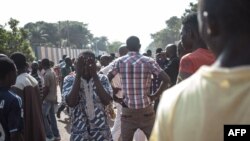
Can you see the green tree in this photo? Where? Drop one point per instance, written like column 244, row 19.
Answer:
column 37, row 36
column 170, row 34
column 100, row 43
column 51, row 30
column 62, row 34
column 76, row 33
column 114, row 46
column 15, row 40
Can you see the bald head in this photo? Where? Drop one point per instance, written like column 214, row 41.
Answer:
column 123, row 50
column 171, row 50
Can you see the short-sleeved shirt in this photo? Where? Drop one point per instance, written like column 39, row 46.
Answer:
column 50, row 81
column 10, row 114
column 88, row 118
column 191, row 62
column 135, row 71
column 198, row 108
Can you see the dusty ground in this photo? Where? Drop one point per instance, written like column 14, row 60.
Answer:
column 63, row 122
column 64, row 127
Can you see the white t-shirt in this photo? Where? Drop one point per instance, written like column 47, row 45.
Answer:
column 23, row 80
column 198, row 108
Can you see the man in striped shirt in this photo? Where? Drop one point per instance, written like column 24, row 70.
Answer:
column 135, row 71
column 34, row 73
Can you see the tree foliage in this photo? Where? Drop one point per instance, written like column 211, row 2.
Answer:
column 192, row 8
column 100, row 43
column 171, row 33
column 62, row 34
column 76, row 33
column 114, row 46
column 15, row 40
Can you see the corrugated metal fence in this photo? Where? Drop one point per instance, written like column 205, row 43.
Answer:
column 55, row 54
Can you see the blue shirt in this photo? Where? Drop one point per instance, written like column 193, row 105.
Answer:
column 10, row 113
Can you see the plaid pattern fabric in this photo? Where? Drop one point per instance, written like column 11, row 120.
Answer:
column 135, row 71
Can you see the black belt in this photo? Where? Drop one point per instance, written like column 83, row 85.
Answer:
column 120, row 101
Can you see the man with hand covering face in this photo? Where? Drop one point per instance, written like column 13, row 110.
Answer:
column 87, row 93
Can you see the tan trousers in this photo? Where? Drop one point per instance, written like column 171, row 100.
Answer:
column 133, row 119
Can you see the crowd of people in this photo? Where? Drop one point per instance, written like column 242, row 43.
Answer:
column 195, row 87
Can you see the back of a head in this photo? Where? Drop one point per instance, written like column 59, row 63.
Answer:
column 90, row 53
column 64, row 56
column 133, row 43
column 149, row 52
column 68, row 61
column 19, row 60
column 172, row 49
column 191, row 21
column 158, row 50
column 123, row 50
column 6, row 66
column 46, row 63
column 34, row 65
column 233, row 16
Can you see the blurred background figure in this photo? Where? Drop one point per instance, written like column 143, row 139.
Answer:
column 149, row 53
column 50, row 100
column 172, row 67
column 34, row 73
column 105, row 60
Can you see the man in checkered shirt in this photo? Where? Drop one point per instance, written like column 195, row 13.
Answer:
column 135, row 72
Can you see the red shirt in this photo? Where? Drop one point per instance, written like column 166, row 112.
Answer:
column 191, row 62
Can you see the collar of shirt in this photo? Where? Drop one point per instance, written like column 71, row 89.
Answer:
column 132, row 53
column 47, row 70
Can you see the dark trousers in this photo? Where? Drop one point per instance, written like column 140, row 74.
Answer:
column 133, row 119
column 157, row 101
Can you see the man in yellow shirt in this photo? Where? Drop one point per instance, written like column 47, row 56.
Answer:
column 198, row 108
